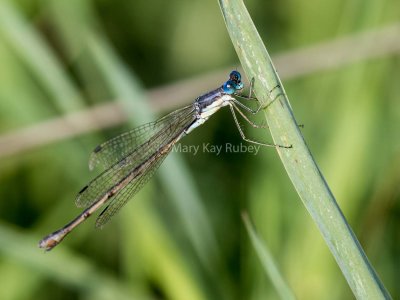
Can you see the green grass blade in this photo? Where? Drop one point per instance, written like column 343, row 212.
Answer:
column 39, row 58
column 298, row 161
column 267, row 261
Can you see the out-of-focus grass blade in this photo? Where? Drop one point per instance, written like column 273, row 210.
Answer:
column 20, row 103
column 162, row 258
column 37, row 55
column 181, row 190
column 40, row 59
column 63, row 266
column 298, row 161
column 267, row 261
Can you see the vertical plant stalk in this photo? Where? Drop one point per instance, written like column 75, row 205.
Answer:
column 298, row 161
column 266, row 259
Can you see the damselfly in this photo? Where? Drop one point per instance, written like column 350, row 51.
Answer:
column 132, row 158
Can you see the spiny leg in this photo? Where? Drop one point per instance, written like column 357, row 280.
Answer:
column 273, row 98
column 250, row 110
column 251, row 141
column 236, row 103
column 247, row 119
column 250, row 97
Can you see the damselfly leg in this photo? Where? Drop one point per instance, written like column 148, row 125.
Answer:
column 236, row 105
column 131, row 159
column 232, row 108
column 250, row 97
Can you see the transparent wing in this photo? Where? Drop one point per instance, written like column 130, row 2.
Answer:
column 112, row 151
column 131, row 189
column 173, row 124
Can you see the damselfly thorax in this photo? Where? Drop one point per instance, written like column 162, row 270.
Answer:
column 132, row 158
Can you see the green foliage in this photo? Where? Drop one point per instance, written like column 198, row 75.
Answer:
column 298, row 161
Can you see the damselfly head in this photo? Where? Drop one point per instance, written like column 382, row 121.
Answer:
column 235, row 76
column 231, row 87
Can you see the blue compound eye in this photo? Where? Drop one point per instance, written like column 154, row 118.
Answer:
column 229, row 87
column 235, row 76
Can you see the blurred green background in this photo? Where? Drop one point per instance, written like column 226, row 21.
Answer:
column 183, row 237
